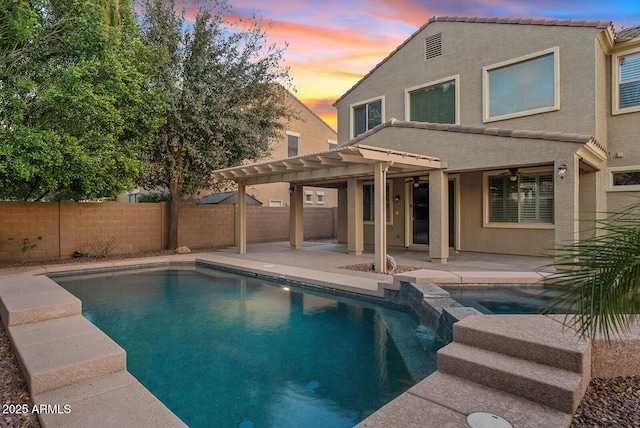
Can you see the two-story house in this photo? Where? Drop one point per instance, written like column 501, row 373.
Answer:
column 482, row 134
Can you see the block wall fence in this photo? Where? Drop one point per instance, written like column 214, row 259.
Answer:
column 69, row 226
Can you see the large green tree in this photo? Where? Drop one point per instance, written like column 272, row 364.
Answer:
column 223, row 82
column 75, row 106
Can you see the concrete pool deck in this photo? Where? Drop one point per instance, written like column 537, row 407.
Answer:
column 68, row 361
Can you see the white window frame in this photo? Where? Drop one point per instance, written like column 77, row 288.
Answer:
column 320, row 198
column 361, row 103
column 274, row 203
column 308, row 197
column 407, row 92
column 622, row 188
column 505, row 225
column 332, row 144
column 555, row 51
column 615, row 89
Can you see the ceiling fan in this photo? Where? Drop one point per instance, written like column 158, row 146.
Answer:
column 513, row 174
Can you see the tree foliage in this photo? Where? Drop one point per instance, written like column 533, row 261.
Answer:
column 599, row 277
column 223, row 85
column 75, row 106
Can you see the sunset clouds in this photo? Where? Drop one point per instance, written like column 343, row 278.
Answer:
column 333, row 43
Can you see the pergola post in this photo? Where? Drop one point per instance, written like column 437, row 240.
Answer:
column 380, row 216
column 355, row 230
column 242, row 218
column 438, row 216
column 296, row 219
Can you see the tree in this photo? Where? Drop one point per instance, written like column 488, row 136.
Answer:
column 599, row 277
column 75, row 107
column 224, row 102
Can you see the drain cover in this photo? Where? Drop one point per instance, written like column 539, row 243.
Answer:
column 246, row 423
column 487, row 420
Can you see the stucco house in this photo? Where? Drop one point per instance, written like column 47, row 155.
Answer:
column 490, row 135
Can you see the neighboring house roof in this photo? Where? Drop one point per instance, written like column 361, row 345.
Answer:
column 628, row 34
column 311, row 111
column 221, row 197
column 516, row 21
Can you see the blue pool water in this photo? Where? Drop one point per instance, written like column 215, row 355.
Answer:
column 506, row 300
column 229, row 351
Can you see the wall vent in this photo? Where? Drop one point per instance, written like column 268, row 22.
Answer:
column 433, row 46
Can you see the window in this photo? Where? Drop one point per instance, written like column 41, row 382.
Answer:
column 292, row 143
column 368, row 208
column 626, row 78
column 528, row 85
column 523, row 198
column 275, row 203
column 624, row 178
column 366, row 116
column 333, row 144
column 435, row 103
column 320, row 198
column 308, row 197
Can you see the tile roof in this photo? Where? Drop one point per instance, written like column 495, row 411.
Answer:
column 628, row 34
column 514, row 21
column 496, row 132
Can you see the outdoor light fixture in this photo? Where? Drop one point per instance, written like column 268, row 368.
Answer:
column 514, row 174
column 290, row 189
column 397, row 198
column 562, row 170
column 416, row 181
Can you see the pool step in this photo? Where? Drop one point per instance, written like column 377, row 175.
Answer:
column 553, row 387
column 544, row 340
column 27, row 300
column 532, row 356
column 64, row 351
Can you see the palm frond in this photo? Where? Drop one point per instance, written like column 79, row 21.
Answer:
column 600, row 276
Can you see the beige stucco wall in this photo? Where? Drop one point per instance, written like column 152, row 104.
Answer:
column 466, row 49
column 314, row 136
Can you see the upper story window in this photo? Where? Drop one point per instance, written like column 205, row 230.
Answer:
column 435, row 102
column 366, row 115
column 292, row 143
column 519, row 198
column 332, row 144
column 626, row 78
column 521, row 87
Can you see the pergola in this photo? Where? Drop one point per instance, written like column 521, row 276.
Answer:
column 351, row 164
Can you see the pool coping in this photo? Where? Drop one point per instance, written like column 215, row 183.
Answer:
column 116, row 398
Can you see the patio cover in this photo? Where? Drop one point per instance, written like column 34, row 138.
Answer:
column 347, row 163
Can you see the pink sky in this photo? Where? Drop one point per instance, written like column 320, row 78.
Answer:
column 333, row 43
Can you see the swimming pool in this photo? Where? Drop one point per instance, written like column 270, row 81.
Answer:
column 224, row 350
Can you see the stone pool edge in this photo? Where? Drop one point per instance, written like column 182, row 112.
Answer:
column 115, row 398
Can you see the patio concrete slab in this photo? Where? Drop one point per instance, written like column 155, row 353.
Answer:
column 411, row 411
column 428, row 276
column 116, row 400
column 467, row 397
column 62, row 351
column 498, row 277
column 329, row 280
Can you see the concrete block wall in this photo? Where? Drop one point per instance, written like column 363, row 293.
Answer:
column 68, row 226
column 206, row 225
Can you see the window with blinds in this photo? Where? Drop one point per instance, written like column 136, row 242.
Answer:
column 435, row 104
column 629, row 80
column 522, row 86
column 528, row 199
